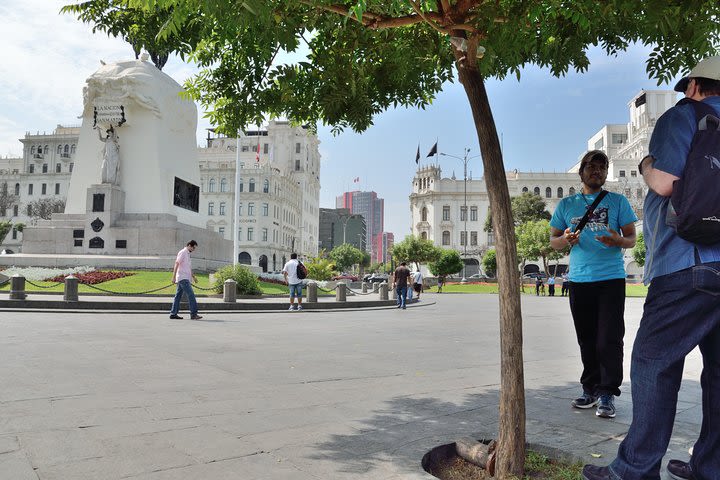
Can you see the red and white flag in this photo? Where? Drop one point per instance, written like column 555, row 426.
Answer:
column 257, row 154
column 356, row 180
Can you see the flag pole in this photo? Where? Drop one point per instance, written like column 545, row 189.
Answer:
column 236, row 203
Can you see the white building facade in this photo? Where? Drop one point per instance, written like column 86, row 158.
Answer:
column 444, row 214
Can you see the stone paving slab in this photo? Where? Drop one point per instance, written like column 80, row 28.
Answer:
column 354, row 394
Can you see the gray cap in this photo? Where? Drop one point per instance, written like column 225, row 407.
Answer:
column 707, row 68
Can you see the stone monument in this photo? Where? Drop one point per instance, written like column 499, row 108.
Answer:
column 134, row 191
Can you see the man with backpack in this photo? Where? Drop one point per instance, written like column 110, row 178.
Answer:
column 294, row 272
column 682, row 309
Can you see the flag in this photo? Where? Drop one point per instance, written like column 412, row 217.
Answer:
column 356, row 180
column 257, row 154
column 417, row 156
column 433, row 150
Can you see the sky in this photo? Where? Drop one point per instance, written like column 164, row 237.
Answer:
column 544, row 122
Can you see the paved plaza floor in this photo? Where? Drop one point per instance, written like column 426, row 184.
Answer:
column 352, row 394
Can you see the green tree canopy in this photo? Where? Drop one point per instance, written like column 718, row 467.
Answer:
column 638, row 251
column 526, row 207
column 449, row 263
column 7, row 199
column 364, row 57
column 5, row 227
column 415, row 250
column 534, row 242
column 345, row 256
column 489, row 262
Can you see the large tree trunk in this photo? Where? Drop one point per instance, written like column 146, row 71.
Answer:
column 511, row 438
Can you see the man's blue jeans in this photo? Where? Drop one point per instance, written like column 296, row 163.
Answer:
column 401, row 294
column 183, row 286
column 682, row 311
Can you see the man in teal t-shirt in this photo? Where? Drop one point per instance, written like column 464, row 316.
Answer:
column 597, row 280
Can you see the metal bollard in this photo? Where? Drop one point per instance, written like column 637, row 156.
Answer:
column 311, row 292
column 17, row 287
column 71, row 289
column 341, row 294
column 384, row 291
column 230, row 291
column 376, row 288
column 364, row 287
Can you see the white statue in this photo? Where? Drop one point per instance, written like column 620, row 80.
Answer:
column 111, row 157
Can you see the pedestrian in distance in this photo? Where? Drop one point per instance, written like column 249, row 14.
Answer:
column 589, row 222
column 417, row 283
column 539, row 286
column 290, row 272
column 441, row 282
column 551, row 286
column 682, row 307
column 565, row 284
column 400, row 283
column 182, row 275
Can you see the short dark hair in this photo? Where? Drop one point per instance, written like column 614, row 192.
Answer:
column 707, row 86
column 192, row 243
column 597, row 155
column 403, row 263
column 293, row 255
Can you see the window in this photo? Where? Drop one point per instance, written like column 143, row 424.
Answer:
column 446, row 213
column 245, row 148
column 423, row 235
column 45, row 168
column 536, row 191
column 423, row 215
column 571, row 191
column 211, row 185
column 17, row 189
column 463, row 213
column 560, row 192
column 44, row 189
column 628, row 192
column 14, row 234
column 633, row 173
column 32, row 150
column 525, row 190
column 473, row 214
column 72, row 148
column 222, row 208
column 58, row 167
column 446, row 238
column 59, row 149
column 239, row 233
column 463, row 235
column 548, row 192
column 15, row 210
column 297, row 165
column 297, row 148
column 242, row 185
column 266, row 186
column 71, row 167
column 622, row 173
column 264, row 234
column 265, row 209
column 599, row 144
column 240, row 209
column 221, row 231
column 251, row 186
column 66, row 150
column 30, row 189
column 473, row 238
column 57, row 189
column 31, row 168
column 211, row 208
column 251, row 210
column 491, row 239
column 266, row 147
column 619, row 138
column 223, row 185
column 250, row 234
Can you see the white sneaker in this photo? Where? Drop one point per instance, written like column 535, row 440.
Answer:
column 292, row 307
column 299, row 307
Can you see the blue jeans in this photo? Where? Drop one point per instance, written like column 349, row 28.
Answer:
column 401, row 294
column 183, row 286
column 296, row 291
column 682, row 311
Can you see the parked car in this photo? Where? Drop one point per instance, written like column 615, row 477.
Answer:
column 378, row 278
column 478, row 277
column 346, row 276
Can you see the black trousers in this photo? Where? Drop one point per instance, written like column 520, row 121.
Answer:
column 598, row 310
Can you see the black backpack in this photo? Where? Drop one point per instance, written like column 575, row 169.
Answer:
column 301, row 271
column 694, row 208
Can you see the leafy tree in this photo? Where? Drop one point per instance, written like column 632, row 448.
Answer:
column 345, row 256
column 365, row 57
column 415, row 250
column 5, row 227
column 638, row 251
column 525, row 208
column 489, row 262
column 246, row 281
column 45, row 207
column 449, row 263
column 137, row 26
column 534, row 241
column 7, row 199
column 320, row 268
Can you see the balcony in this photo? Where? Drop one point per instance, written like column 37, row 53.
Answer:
column 38, row 156
column 64, row 155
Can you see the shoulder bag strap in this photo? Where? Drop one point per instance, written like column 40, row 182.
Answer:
column 586, row 217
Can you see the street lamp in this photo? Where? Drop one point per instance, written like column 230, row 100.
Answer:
column 465, row 158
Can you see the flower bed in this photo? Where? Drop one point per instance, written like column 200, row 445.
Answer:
column 92, row 278
column 37, row 274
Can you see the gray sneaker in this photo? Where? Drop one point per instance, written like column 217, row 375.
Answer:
column 606, row 407
column 585, row 401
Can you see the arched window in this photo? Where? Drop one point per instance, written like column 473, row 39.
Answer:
column 525, row 189
column 251, row 185
column 571, row 191
column 223, row 185
column 536, row 191
column 423, row 235
column 211, row 185
column 424, row 215
column 72, row 148
column 32, row 150
column 446, row 238
column 59, row 150
column 266, row 186
column 17, row 189
column 560, row 192
column 548, row 192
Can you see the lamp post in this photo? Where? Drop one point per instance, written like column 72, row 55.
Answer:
column 465, row 159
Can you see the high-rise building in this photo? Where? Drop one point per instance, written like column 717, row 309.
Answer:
column 384, row 242
column 371, row 208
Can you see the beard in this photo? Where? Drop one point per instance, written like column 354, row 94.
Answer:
column 593, row 181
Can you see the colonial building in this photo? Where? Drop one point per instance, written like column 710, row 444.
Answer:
column 442, row 211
